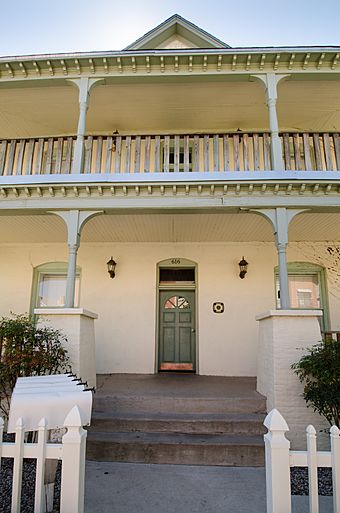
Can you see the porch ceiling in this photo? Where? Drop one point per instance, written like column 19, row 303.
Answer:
column 199, row 227
column 167, row 104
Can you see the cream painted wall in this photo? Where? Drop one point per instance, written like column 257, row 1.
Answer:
column 125, row 329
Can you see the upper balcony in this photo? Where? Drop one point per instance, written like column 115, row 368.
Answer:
column 219, row 116
column 148, row 154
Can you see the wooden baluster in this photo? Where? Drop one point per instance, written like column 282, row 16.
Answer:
column 236, row 145
column 11, row 155
column 59, row 156
column 127, row 153
column 68, row 156
column 147, row 154
column 118, row 154
column 109, row 149
column 245, row 152
column 266, row 151
column 216, row 153
column 186, row 153
column 157, row 154
column 176, row 153
column 317, row 150
column 196, row 163
column 49, row 156
column 136, row 166
column 88, row 154
column 40, row 156
column 328, row 152
column 99, row 154
column 206, row 152
column 29, row 157
column 286, row 151
column 256, row 150
column 166, row 153
column 306, row 151
column 3, row 151
column 296, row 140
column 226, row 153
column 336, row 140
column 20, row 157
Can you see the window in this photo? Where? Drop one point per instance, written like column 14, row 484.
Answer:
column 181, row 157
column 49, row 286
column 307, row 288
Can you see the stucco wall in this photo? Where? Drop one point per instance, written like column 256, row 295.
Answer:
column 126, row 305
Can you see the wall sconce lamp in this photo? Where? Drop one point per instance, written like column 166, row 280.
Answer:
column 111, row 267
column 243, row 264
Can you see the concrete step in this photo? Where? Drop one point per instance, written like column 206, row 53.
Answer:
column 213, row 423
column 252, row 403
column 176, row 448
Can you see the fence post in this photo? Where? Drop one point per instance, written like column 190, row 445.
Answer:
column 335, row 450
column 277, row 464
column 73, row 466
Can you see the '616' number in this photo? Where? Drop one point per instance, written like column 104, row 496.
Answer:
column 175, row 261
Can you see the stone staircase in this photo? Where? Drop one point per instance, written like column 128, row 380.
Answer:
column 177, row 419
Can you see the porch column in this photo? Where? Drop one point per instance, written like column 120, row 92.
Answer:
column 84, row 85
column 75, row 220
column 280, row 219
column 270, row 81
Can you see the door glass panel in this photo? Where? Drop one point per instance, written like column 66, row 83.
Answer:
column 171, row 302
column 177, row 302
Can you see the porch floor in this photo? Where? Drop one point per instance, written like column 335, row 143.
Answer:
column 177, row 385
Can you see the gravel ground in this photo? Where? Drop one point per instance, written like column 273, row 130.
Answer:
column 28, row 483
column 299, row 481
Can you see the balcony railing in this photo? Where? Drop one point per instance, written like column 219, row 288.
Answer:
column 170, row 153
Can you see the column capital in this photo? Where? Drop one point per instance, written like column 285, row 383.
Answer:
column 75, row 221
column 85, row 85
column 280, row 219
column 270, row 82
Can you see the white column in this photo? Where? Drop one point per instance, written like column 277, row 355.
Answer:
column 281, row 241
column 280, row 219
column 84, row 85
column 270, row 81
column 71, row 274
column 75, row 220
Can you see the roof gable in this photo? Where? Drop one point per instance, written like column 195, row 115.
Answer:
column 176, row 33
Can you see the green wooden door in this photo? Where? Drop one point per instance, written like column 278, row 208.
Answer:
column 177, row 330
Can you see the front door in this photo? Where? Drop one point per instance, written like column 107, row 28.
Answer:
column 177, row 330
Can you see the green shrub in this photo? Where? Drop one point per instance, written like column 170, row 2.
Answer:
column 27, row 350
column 319, row 370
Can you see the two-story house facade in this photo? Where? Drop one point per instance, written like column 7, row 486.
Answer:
column 178, row 157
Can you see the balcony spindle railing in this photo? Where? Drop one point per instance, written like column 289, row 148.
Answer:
column 170, row 153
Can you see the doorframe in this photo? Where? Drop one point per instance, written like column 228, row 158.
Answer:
column 177, row 263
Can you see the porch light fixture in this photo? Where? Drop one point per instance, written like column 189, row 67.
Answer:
column 111, row 267
column 243, row 264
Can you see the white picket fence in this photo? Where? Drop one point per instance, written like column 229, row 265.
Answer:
column 71, row 451
column 279, row 459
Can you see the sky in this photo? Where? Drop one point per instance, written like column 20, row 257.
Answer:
column 53, row 26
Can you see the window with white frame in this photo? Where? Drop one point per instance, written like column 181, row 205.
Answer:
column 49, row 286
column 307, row 288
